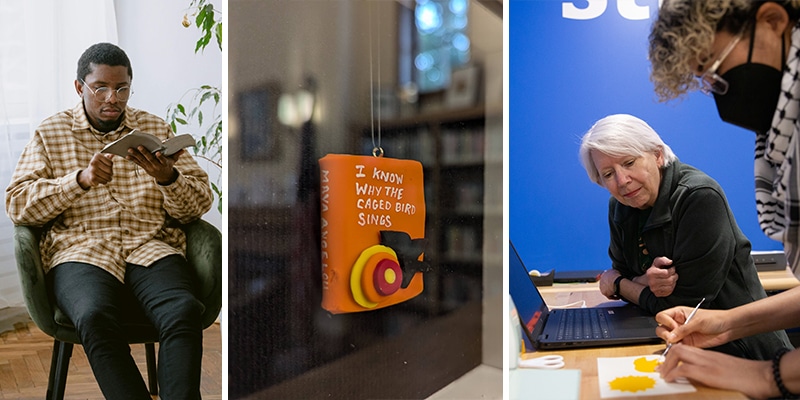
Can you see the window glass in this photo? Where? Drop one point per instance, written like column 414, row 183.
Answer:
column 442, row 41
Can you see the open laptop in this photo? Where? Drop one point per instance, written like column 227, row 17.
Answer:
column 628, row 324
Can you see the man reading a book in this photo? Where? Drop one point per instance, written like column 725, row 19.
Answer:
column 114, row 234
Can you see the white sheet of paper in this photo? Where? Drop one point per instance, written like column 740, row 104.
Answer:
column 634, row 376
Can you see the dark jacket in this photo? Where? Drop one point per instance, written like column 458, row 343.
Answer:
column 692, row 224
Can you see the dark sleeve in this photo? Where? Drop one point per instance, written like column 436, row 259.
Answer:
column 704, row 249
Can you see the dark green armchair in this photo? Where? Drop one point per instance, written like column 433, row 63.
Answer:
column 204, row 253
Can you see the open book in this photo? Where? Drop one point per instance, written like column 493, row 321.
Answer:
column 152, row 143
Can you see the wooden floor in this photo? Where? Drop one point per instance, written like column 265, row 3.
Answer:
column 25, row 364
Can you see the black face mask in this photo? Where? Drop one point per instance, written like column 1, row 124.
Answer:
column 752, row 96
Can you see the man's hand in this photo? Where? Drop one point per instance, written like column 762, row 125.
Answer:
column 99, row 172
column 156, row 165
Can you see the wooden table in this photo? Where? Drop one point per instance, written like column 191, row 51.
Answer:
column 586, row 359
column 778, row 280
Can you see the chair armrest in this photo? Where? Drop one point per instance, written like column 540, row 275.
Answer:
column 204, row 253
column 31, row 275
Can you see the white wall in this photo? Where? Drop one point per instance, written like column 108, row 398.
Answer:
column 164, row 63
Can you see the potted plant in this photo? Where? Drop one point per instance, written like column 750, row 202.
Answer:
column 189, row 108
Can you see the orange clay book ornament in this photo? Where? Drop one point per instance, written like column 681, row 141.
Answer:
column 373, row 231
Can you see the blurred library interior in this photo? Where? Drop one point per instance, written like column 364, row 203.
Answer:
column 424, row 79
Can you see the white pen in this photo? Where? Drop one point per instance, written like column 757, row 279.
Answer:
column 669, row 346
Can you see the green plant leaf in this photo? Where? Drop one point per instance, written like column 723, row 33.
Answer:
column 218, row 34
column 187, row 110
column 206, row 95
column 208, row 23
column 201, row 16
column 218, row 191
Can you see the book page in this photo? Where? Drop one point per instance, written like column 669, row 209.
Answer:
column 150, row 142
column 134, row 139
column 174, row 144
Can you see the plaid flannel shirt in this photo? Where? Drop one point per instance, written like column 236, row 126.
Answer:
column 132, row 219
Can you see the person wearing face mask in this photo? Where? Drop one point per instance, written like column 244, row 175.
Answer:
column 674, row 239
column 746, row 54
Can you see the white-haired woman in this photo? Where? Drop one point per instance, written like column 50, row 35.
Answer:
column 674, row 239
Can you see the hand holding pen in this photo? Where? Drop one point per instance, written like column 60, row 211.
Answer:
column 708, row 328
column 689, row 318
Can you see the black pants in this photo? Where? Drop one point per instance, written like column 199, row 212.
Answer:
column 96, row 302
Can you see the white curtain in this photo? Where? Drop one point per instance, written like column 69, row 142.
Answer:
column 40, row 43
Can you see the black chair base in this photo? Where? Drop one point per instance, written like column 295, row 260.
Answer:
column 59, row 366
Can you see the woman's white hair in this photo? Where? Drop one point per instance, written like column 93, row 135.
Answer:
column 621, row 135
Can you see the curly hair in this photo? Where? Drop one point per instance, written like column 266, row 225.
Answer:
column 683, row 33
column 102, row 54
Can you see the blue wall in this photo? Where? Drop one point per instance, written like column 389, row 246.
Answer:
column 565, row 74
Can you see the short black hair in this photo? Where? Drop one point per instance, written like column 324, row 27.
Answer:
column 103, row 54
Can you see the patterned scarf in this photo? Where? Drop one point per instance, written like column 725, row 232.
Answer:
column 776, row 179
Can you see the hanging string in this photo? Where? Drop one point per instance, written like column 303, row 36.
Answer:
column 377, row 150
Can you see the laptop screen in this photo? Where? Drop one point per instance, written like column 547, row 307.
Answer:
column 530, row 304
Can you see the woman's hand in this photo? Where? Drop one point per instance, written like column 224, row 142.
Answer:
column 718, row 370
column 706, row 329
column 606, row 283
column 661, row 277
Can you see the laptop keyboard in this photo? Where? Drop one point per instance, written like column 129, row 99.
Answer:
column 583, row 323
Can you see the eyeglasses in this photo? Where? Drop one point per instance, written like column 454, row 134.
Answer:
column 104, row 93
column 710, row 82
